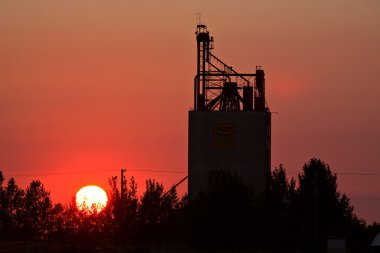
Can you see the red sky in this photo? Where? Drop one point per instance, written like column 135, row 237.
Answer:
column 88, row 87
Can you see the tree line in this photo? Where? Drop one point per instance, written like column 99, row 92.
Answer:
column 292, row 215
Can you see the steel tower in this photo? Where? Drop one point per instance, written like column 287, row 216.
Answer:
column 217, row 86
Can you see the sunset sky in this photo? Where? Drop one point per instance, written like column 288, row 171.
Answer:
column 88, row 87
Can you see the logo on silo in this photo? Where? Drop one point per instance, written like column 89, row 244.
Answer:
column 224, row 129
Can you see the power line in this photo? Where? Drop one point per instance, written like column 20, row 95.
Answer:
column 161, row 171
column 59, row 173
column 371, row 199
column 358, row 174
column 179, row 172
column 342, row 173
column 94, row 171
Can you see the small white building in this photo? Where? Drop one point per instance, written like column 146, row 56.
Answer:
column 375, row 245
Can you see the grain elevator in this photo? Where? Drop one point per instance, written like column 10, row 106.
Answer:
column 230, row 124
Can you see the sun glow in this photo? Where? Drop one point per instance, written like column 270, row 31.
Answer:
column 91, row 198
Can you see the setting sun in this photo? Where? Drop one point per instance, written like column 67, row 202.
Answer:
column 90, row 198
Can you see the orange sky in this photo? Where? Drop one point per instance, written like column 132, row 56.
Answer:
column 97, row 85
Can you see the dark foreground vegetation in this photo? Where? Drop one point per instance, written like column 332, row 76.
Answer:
column 291, row 216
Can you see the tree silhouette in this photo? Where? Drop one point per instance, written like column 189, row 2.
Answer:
column 123, row 210
column 1, row 182
column 114, row 205
column 2, row 207
column 222, row 216
column 150, row 209
column 11, row 202
column 321, row 209
column 57, row 221
column 37, row 211
column 281, row 196
column 228, row 216
column 282, row 191
column 154, row 211
column 131, row 204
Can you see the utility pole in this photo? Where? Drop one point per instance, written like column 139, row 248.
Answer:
column 122, row 183
column 122, row 194
column 122, row 199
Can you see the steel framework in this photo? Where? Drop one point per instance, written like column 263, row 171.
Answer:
column 218, row 87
